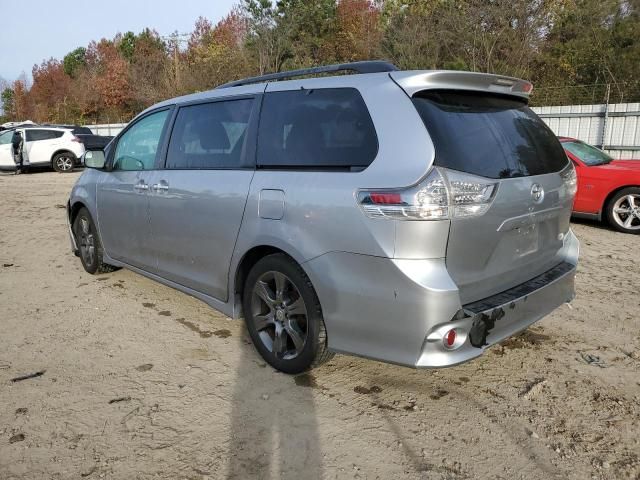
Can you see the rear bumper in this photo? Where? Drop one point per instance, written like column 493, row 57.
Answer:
column 498, row 317
column 399, row 311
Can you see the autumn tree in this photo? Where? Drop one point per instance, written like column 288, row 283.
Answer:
column 149, row 70
column 22, row 102
column 216, row 54
column 358, row 30
column 51, row 93
column 551, row 42
column 111, row 78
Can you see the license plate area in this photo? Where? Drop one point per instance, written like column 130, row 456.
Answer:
column 527, row 240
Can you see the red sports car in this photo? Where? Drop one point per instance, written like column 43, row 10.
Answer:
column 607, row 188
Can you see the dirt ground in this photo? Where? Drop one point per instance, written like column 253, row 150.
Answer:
column 141, row 381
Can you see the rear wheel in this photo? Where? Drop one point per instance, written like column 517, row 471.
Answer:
column 283, row 315
column 89, row 244
column 63, row 162
column 623, row 210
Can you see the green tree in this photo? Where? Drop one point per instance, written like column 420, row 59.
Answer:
column 127, row 45
column 266, row 42
column 74, row 60
column 309, row 29
column 7, row 98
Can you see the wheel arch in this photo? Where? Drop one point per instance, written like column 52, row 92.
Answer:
column 248, row 260
column 244, row 266
column 74, row 208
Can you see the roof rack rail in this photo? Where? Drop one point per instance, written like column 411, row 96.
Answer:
column 358, row 67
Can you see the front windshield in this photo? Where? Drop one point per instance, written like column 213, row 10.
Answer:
column 588, row 154
column 6, row 137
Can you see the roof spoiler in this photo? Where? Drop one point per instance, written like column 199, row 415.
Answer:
column 414, row 81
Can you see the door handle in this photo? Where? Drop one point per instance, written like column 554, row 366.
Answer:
column 141, row 186
column 162, row 186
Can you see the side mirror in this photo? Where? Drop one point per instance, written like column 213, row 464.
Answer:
column 93, row 159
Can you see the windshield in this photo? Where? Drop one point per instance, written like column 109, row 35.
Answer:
column 587, row 153
column 5, row 137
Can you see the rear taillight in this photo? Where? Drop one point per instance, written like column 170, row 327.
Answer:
column 570, row 179
column 75, row 139
column 442, row 194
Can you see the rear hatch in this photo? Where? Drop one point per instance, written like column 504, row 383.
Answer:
column 497, row 139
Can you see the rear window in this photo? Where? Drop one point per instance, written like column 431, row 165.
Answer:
column 488, row 135
column 319, row 128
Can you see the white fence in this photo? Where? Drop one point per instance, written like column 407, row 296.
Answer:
column 614, row 127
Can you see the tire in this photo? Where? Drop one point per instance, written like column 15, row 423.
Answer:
column 89, row 244
column 623, row 210
column 63, row 162
column 283, row 315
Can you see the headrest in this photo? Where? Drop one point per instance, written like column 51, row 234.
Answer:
column 211, row 133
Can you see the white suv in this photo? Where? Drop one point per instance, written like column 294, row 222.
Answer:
column 56, row 147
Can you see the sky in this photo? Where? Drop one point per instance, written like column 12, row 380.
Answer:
column 35, row 30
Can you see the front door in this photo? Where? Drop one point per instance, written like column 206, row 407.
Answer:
column 123, row 192
column 198, row 200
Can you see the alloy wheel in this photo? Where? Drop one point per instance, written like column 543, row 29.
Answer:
column 626, row 211
column 279, row 315
column 64, row 163
column 86, row 241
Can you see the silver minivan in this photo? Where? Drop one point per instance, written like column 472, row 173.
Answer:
column 412, row 217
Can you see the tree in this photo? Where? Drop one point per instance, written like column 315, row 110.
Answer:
column 8, row 106
column 127, row 45
column 358, row 30
column 551, row 42
column 150, row 70
column 74, row 60
column 22, row 102
column 309, row 29
column 50, row 92
column 266, row 40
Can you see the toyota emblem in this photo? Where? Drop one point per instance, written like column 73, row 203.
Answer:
column 537, row 192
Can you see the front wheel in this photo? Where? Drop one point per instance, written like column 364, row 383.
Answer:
column 283, row 315
column 63, row 162
column 89, row 244
column 623, row 210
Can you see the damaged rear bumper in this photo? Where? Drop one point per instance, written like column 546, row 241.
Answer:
column 399, row 310
column 491, row 320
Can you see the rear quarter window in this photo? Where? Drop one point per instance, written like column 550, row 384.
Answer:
column 315, row 129
column 489, row 135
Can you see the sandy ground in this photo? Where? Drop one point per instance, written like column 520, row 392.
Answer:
column 141, row 381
